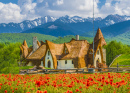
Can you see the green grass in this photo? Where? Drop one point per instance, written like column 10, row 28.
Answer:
column 124, row 59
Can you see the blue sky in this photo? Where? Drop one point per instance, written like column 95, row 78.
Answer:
column 19, row 10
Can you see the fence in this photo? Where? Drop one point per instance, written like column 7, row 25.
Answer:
column 86, row 70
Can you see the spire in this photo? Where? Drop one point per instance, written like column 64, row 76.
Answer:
column 39, row 44
column 98, row 36
column 25, row 43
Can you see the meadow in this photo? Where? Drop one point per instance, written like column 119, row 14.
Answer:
column 66, row 83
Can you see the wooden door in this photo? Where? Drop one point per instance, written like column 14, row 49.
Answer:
column 49, row 64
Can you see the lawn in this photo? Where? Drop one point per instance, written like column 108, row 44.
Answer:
column 66, row 83
column 124, row 59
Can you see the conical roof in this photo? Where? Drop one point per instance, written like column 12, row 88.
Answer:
column 25, row 43
column 39, row 44
column 98, row 36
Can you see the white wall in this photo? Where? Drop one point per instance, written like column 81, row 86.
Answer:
column 96, row 58
column 30, row 64
column 62, row 65
column 42, row 63
column 50, row 58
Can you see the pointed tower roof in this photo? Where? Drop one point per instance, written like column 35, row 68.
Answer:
column 25, row 43
column 39, row 44
column 98, row 36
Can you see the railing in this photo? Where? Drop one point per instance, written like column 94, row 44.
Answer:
column 85, row 70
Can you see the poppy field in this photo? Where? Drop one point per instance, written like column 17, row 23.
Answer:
column 66, row 83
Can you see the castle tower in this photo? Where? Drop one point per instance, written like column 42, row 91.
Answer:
column 98, row 36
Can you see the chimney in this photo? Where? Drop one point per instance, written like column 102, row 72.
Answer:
column 77, row 37
column 35, row 45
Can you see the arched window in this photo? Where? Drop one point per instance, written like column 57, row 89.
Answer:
column 65, row 61
column 66, row 50
column 48, row 53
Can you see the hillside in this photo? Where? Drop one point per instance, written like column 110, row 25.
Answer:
column 19, row 37
column 124, row 59
column 124, row 38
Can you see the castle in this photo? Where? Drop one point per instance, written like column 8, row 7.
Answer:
column 74, row 54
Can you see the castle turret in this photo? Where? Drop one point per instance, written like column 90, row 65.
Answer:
column 98, row 36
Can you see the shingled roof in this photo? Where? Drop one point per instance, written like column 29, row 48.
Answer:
column 38, row 54
column 56, row 50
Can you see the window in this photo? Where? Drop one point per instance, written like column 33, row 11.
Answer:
column 98, row 52
column 57, row 63
column 65, row 61
column 72, row 62
column 66, row 51
column 48, row 53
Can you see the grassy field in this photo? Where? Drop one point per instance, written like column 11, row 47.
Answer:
column 124, row 59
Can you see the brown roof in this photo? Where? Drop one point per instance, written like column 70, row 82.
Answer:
column 38, row 54
column 56, row 50
column 77, row 52
column 39, row 44
column 98, row 36
column 25, row 43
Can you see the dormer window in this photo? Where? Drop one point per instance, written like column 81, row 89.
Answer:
column 66, row 51
column 48, row 53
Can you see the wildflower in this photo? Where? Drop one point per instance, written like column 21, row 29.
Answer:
column 77, row 90
column 5, row 91
column 45, row 91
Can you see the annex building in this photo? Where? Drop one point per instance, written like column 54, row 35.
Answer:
column 74, row 54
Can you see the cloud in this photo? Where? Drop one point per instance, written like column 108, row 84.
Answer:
column 120, row 7
column 10, row 13
column 59, row 8
column 31, row 9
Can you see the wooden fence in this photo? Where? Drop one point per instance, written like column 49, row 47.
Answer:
column 85, row 70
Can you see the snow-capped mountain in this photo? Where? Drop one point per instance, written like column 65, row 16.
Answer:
column 109, row 20
column 25, row 25
column 76, row 19
column 73, row 22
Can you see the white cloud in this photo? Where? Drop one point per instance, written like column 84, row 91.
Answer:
column 28, row 9
column 59, row 8
column 10, row 13
column 121, row 7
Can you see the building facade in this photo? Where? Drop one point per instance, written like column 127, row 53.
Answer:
column 74, row 54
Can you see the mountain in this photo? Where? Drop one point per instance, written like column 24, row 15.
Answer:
column 25, row 25
column 116, row 29
column 77, row 23
column 52, row 28
column 112, row 30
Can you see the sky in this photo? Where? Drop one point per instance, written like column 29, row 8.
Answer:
column 19, row 10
